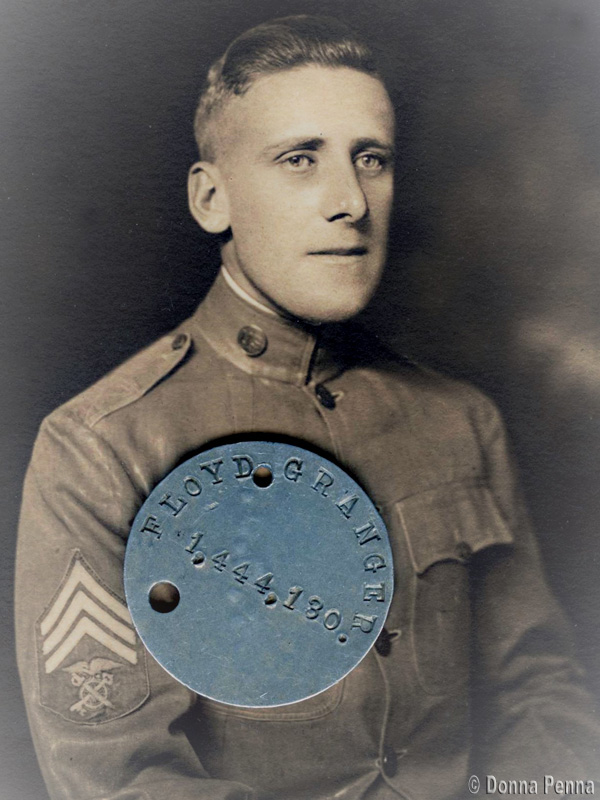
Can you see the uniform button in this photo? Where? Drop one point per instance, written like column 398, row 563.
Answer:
column 389, row 762
column 464, row 551
column 179, row 341
column 325, row 397
column 252, row 340
column 383, row 645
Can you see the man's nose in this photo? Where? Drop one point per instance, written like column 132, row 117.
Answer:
column 343, row 196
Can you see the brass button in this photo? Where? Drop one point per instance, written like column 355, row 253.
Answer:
column 252, row 340
column 463, row 551
column 324, row 396
column 179, row 341
column 389, row 762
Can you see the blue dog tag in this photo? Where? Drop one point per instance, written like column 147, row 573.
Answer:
column 258, row 573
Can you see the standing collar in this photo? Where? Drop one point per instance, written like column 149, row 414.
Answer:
column 237, row 289
column 260, row 342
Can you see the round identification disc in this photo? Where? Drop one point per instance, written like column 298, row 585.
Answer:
column 258, row 573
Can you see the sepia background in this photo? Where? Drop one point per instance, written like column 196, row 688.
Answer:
column 493, row 272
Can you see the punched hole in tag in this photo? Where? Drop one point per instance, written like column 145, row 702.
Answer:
column 164, row 597
column 262, row 476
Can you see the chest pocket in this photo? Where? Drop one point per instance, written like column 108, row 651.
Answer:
column 444, row 528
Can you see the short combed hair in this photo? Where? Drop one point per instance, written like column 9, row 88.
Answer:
column 274, row 46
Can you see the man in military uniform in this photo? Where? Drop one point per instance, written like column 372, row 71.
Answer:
column 474, row 670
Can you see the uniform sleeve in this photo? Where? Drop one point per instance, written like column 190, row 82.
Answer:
column 103, row 714
column 535, row 717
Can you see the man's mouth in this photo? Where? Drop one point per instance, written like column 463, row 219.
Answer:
column 340, row 251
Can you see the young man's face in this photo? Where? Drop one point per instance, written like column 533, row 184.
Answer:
column 306, row 162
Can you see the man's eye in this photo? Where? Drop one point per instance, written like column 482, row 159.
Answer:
column 298, row 162
column 370, row 162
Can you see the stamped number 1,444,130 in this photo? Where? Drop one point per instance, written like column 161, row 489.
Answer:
column 331, row 619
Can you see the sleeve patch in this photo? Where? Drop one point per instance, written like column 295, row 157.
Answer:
column 91, row 664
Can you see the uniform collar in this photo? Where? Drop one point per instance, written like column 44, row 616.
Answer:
column 260, row 342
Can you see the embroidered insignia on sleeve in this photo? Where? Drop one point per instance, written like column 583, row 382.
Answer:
column 92, row 666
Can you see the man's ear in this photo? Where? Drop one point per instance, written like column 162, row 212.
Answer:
column 207, row 197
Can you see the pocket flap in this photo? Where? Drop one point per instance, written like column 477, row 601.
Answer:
column 451, row 522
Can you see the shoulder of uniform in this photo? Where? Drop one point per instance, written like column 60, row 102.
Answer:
column 466, row 394
column 450, row 396
column 372, row 351
column 132, row 379
column 365, row 348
